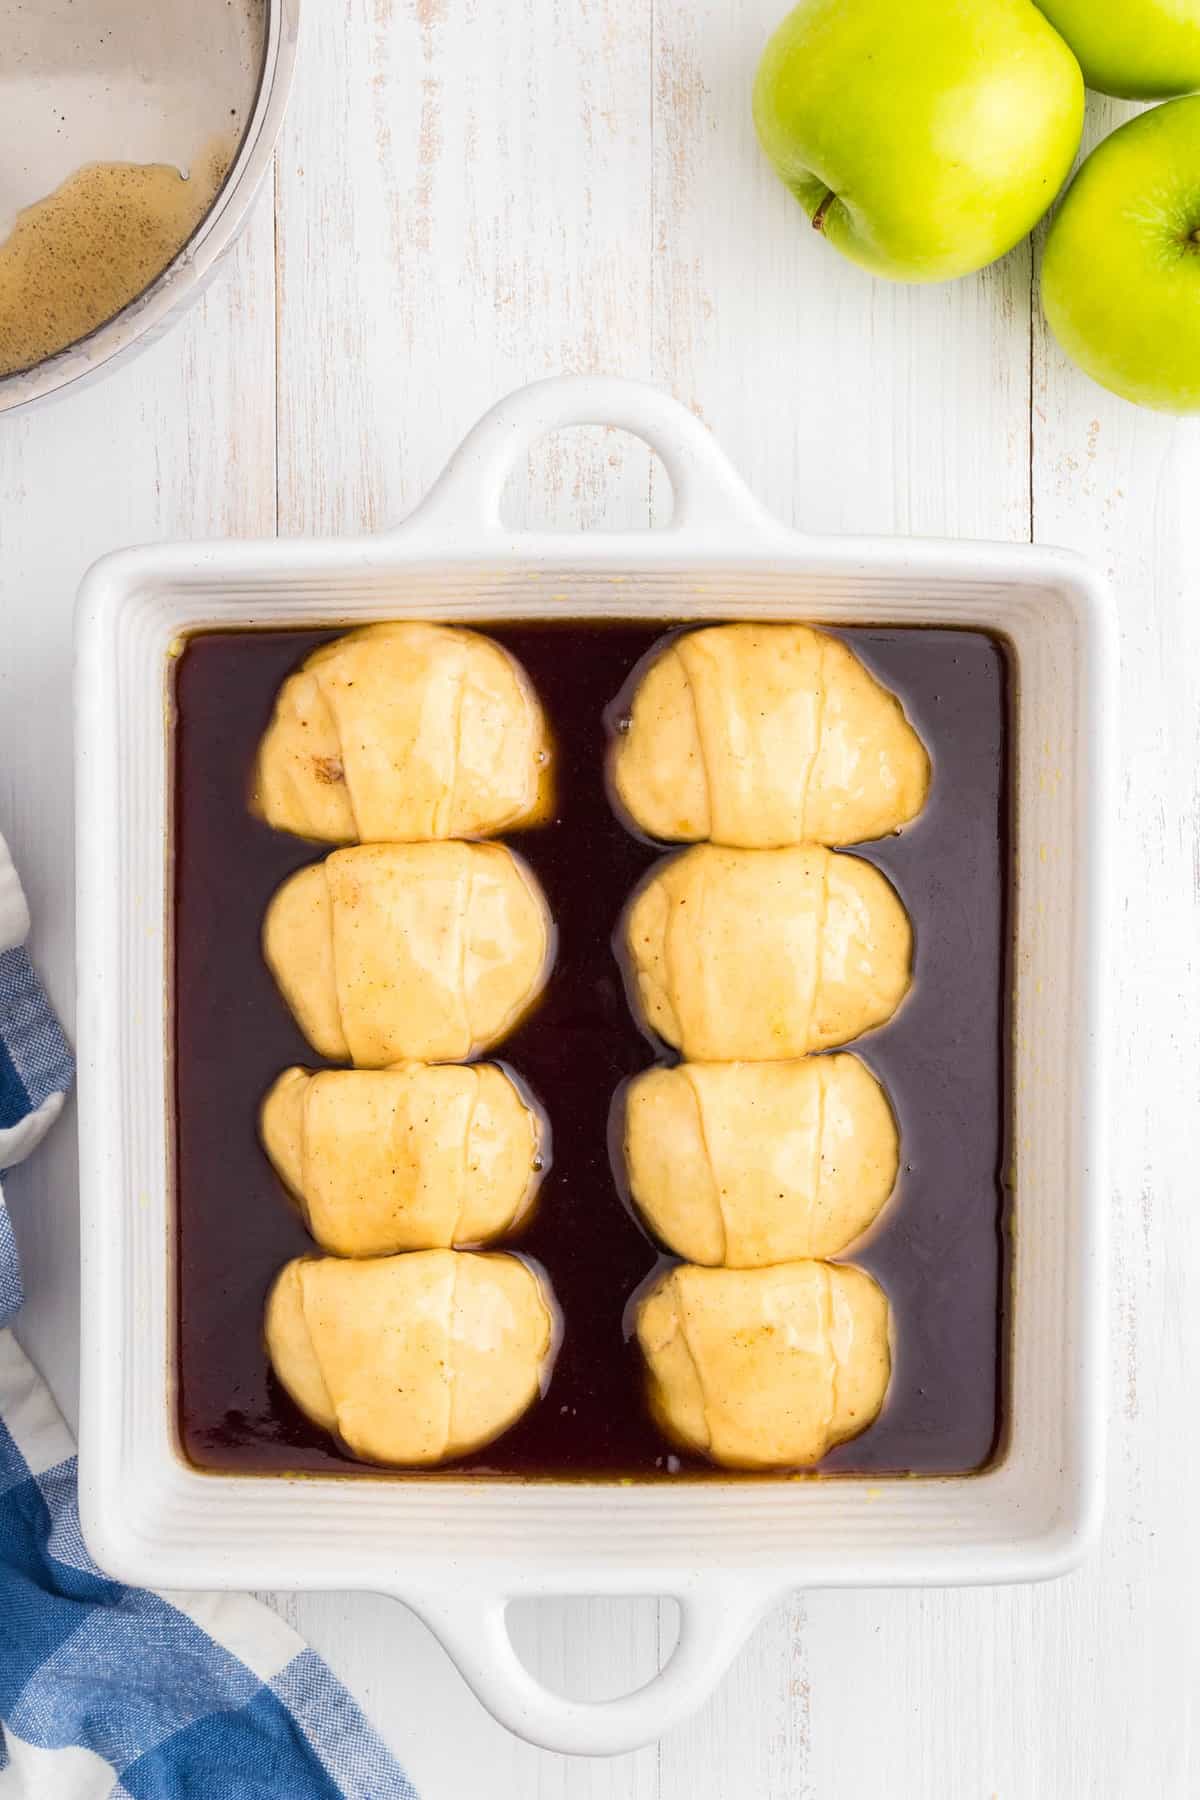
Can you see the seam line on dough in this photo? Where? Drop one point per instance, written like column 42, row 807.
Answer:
column 669, row 984
column 401, row 1111
column 464, row 930
column 700, row 743
column 815, row 1185
column 708, row 976
column 831, row 1351
column 302, row 1156
column 465, row 1165
column 656, row 1003
column 818, row 950
column 695, row 1362
column 818, row 728
column 333, row 957
column 712, row 1166
column 444, row 807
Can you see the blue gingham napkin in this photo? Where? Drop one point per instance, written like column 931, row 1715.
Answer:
column 35, row 1063
column 108, row 1692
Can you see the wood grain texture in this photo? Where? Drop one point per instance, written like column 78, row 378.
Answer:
column 470, row 197
column 464, row 206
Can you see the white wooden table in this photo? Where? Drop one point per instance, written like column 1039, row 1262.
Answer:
column 467, row 197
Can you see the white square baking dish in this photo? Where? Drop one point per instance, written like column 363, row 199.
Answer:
column 458, row 1550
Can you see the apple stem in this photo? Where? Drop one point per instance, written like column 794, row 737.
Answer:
column 818, row 218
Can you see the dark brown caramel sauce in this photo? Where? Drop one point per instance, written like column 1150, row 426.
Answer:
column 938, row 1249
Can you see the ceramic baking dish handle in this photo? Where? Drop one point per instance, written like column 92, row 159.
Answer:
column 715, row 1618
column 710, row 496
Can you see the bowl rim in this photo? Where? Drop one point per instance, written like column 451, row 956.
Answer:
column 149, row 313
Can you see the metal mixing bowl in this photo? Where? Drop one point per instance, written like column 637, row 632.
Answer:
column 139, row 80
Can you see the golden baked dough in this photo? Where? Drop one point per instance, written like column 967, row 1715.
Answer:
column 408, row 952
column 414, row 1359
column 763, row 955
column 411, row 1158
column 400, row 733
column 764, row 735
column 744, row 1164
column 765, row 1368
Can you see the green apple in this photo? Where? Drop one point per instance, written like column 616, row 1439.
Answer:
column 924, row 138
column 1139, row 49
column 1121, row 272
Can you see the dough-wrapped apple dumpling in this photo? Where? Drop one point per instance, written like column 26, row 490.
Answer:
column 412, row 1158
column 763, row 955
column 409, row 952
column 745, row 1164
column 764, row 735
column 404, row 732
column 765, row 1368
column 411, row 1360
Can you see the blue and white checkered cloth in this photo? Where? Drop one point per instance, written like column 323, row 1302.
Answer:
column 35, row 1063
column 108, row 1692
